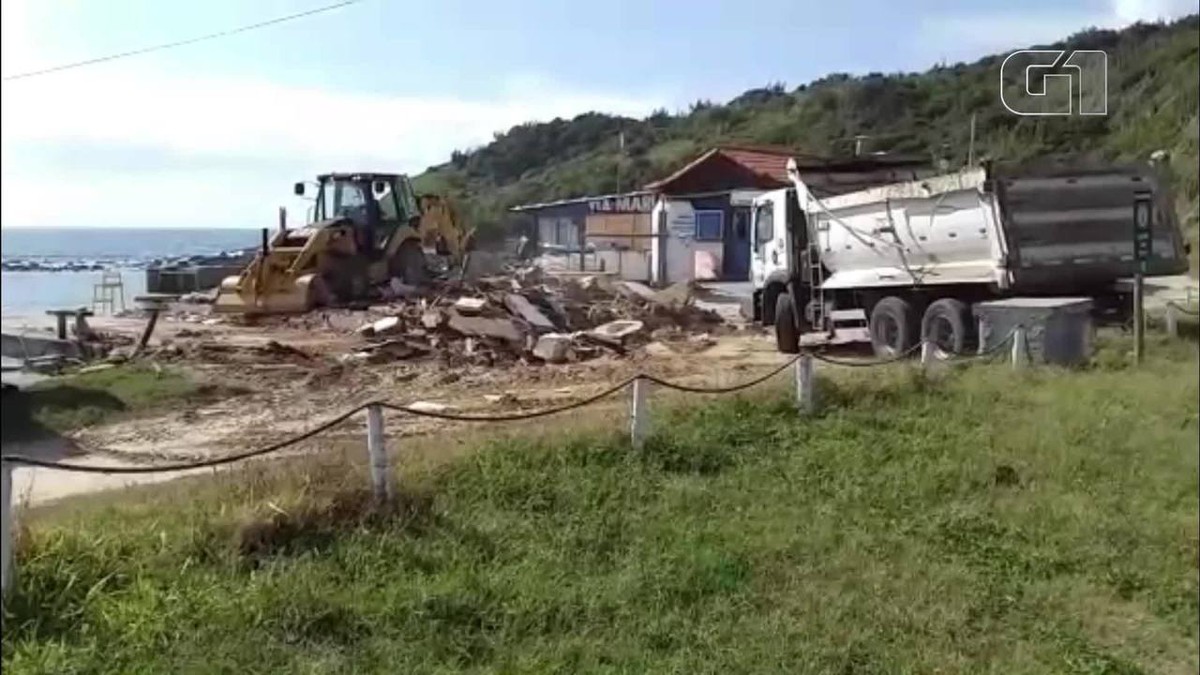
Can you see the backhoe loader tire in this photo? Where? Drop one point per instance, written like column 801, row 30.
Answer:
column 409, row 263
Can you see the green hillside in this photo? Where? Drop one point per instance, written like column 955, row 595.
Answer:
column 1153, row 102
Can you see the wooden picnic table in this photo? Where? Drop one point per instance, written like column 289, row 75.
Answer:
column 79, row 313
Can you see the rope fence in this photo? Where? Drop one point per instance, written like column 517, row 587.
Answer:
column 1176, row 310
column 383, row 479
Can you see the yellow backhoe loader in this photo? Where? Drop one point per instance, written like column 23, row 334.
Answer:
column 364, row 229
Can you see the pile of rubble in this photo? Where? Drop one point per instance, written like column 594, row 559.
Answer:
column 526, row 316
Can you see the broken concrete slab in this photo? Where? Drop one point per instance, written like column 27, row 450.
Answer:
column 633, row 289
column 519, row 305
column 433, row 319
column 470, row 306
column 617, row 331
column 675, row 295
column 503, row 329
column 386, row 325
column 553, row 347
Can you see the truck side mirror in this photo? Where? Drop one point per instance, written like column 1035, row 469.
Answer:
column 298, row 189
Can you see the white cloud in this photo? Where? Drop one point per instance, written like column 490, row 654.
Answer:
column 970, row 35
column 126, row 144
column 1130, row 11
column 242, row 124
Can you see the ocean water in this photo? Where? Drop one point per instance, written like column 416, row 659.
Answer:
column 26, row 295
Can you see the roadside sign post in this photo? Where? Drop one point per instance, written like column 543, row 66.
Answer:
column 1143, row 245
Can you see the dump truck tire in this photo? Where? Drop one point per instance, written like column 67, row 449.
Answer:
column 894, row 327
column 787, row 337
column 947, row 324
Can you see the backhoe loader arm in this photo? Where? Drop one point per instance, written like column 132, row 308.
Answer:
column 442, row 229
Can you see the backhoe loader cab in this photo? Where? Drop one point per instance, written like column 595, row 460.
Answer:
column 375, row 203
column 364, row 229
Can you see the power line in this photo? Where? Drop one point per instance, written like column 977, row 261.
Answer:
column 180, row 43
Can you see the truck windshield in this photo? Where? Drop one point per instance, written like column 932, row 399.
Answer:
column 764, row 224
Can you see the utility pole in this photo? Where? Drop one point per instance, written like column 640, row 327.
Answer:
column 858, row 144
column 971, row 145
column 620, row 156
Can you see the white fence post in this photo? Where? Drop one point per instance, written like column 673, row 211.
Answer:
column 639, row 413
column 6, row 540
column 1172, row 320
column 926, row 355
column 1020, row 351
column 381, row 471
column 806, row 394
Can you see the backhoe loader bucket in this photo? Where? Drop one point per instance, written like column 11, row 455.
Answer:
column 241, row 295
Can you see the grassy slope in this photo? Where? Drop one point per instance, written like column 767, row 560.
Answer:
column 1154, row 96
column 986, row 522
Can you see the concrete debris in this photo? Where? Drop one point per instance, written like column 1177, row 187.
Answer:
column 470, row 306
column 521, row 307
column 496, row 319
column 617, row 331
column 478, row 326
column 553, row 347
column 386, row 325
column 433, row 319
column 634, row 289
column 199, row 297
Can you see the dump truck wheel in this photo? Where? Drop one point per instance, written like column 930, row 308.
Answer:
column 893, row 327
column 409, row 263
column 947, row 324
column 787, row 337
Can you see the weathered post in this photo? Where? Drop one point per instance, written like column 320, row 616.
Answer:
column 806, row 400
column 1020, row 349
column 639, row 413
column 1172, row 320
column 6, row 538
column 1139, row 318
column 927, row 355
column 381, row 471
column 1143, row 250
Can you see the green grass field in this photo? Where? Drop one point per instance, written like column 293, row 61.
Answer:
column 978, row 521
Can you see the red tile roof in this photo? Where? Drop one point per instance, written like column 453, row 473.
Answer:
column 765, row 167
column 767, row 164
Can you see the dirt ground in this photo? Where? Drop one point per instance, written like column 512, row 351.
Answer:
column 296, row 376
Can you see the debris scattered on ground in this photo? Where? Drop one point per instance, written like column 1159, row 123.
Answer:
column 553, row 347
column 524, row 316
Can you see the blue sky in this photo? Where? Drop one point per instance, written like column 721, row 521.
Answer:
column 213, row 134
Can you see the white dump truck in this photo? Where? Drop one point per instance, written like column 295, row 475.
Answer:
column 906, row 260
